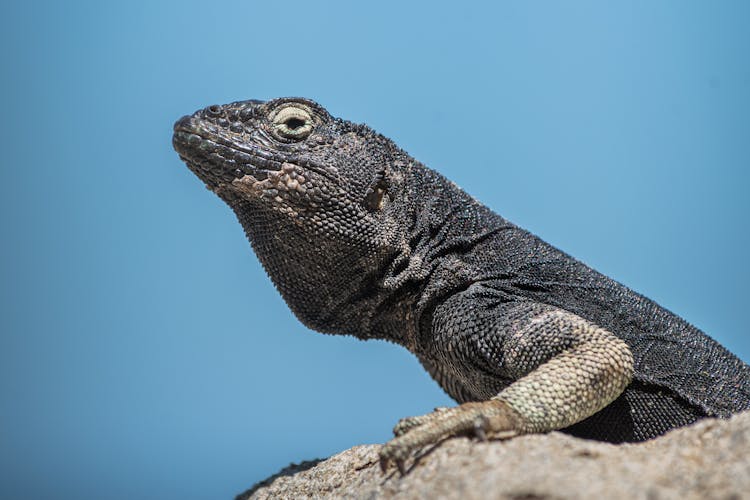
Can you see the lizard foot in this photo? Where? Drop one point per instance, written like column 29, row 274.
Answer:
column 483, row 419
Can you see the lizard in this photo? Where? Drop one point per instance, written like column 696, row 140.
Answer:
column 361, row 239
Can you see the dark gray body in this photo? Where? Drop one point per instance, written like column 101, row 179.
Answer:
column 485, row 268
column 373, row 244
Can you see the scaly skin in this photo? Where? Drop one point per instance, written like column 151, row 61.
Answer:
column 361, row 239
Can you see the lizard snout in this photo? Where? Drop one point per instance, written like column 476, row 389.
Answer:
column 182, row 123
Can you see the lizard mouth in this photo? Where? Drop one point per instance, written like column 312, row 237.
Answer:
column 221, row 162
column 248, row 169
column 215, row 160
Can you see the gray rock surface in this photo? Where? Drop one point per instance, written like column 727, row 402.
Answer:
column 710, row 459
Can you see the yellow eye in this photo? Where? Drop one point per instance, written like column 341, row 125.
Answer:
column 292, row 122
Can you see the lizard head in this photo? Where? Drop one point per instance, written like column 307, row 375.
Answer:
column 316, row 196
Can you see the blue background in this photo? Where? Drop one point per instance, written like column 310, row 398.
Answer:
column 144, row 353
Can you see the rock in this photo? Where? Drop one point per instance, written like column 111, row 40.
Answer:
column 710, row 459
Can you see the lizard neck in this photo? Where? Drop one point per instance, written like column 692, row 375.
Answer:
column 443, row 252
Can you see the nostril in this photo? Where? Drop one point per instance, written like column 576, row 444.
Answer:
column 214, row 110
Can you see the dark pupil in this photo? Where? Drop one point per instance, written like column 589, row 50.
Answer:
column 295, row 123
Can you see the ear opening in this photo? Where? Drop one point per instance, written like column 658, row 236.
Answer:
column 376, row 194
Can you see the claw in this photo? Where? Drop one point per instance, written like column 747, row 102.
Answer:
column 480, row 426
column 480, row 434
column 401, row 467
column 385, row 462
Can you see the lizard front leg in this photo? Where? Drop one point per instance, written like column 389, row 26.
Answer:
column 566, row 368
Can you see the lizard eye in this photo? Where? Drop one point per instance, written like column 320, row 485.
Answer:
column 292, row 122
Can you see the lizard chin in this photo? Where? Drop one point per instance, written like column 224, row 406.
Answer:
column 277, row 191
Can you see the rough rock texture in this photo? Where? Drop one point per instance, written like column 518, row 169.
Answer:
column 710, row 459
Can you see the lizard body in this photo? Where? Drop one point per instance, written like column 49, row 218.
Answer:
column 361, row 239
